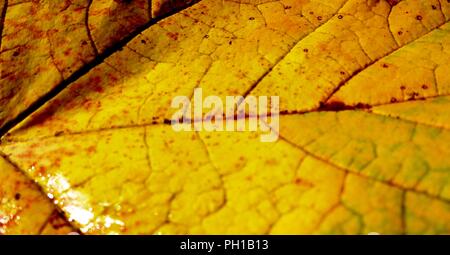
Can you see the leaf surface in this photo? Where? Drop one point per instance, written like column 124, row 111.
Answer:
column 47, row 44
column 23, row 208
column 363, row 138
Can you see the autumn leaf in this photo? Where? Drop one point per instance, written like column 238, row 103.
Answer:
column 363, row 137
column 23, row 208
column 46, row 44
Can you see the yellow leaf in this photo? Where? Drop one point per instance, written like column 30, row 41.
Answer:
column 363, row 137
column 23, row 208
column 45, row 44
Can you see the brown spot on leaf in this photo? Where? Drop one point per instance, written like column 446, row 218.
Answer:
column 302, row 182
column 393, row 2
column 173, row 36
column 91, row 149
column 336, row 106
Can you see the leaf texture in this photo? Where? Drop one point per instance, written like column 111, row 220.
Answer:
column 23, row 208
column 47, row 44
column 364, row 129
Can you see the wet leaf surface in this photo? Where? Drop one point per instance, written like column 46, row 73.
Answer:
column 24, row 209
